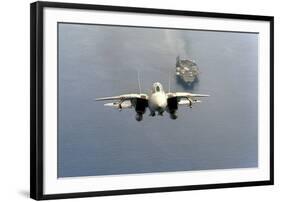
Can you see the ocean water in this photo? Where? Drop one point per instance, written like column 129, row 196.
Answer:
column 98, row 61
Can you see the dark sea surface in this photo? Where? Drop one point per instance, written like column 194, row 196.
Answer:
column 98, row 61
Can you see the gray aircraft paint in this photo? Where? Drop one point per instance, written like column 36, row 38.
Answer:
column 97, row 61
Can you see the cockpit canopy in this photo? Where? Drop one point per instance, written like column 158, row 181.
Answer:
column 157, row 87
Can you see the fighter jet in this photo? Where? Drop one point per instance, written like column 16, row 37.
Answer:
column 157, row 101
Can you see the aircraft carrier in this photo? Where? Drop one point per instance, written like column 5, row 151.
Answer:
column 187, row 70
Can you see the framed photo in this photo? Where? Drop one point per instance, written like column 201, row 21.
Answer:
column 136, row 100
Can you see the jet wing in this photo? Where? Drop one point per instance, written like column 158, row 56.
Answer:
column 127, row 104
column 138, row 101
column 185, row 95
column 184, row 98
column 124, row 97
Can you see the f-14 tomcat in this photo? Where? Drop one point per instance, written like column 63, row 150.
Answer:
column 157, row 101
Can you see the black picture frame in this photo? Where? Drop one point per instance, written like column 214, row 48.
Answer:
column 37, row 101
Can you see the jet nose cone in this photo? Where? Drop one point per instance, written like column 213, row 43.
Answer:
column 158, row 101
column 161, row 104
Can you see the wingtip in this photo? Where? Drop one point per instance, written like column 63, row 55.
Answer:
column 204, row 95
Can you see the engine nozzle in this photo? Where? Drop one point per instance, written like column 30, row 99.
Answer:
column 139, row 116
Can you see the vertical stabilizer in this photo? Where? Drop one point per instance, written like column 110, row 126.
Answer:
column 178, row 61
column 139, row 82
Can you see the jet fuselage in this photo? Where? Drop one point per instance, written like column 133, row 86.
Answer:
column 157, row 101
